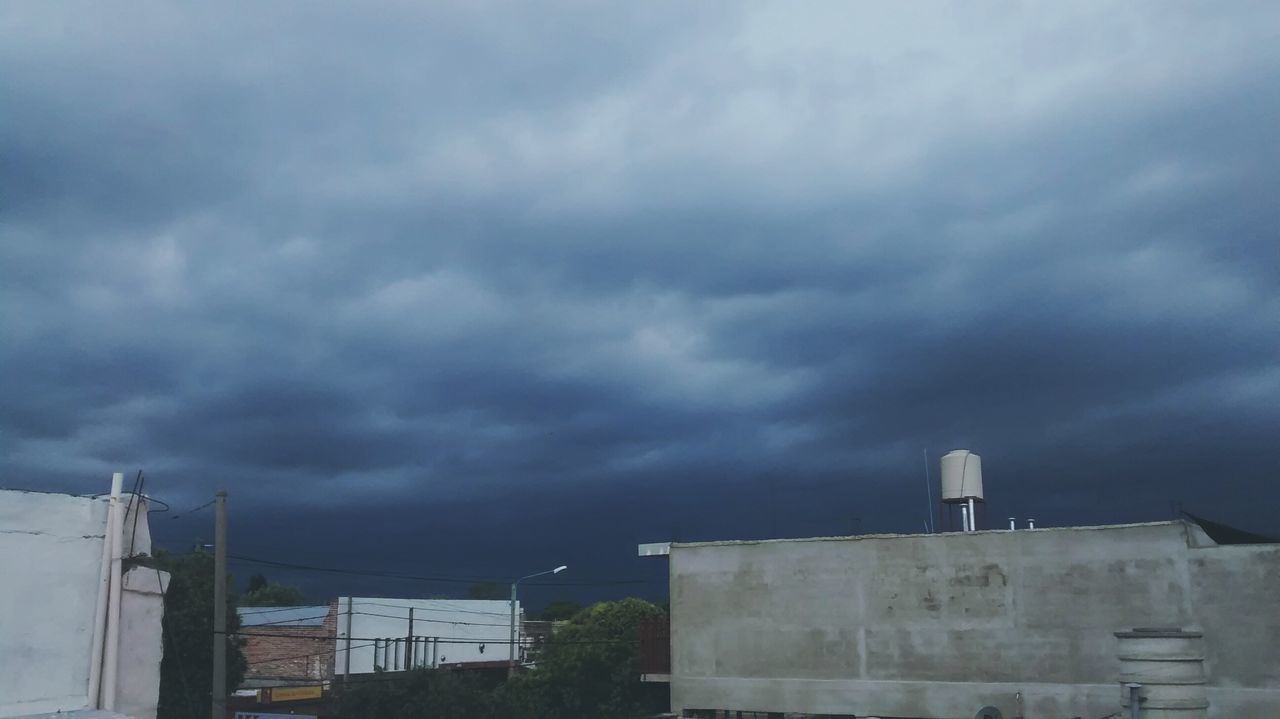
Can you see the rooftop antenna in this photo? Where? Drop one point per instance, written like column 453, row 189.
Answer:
column 928, row 491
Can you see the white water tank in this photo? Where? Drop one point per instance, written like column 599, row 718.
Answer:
column 961, row 475
column 1169, row 666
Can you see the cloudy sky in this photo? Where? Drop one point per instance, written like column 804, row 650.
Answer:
column 471, row 289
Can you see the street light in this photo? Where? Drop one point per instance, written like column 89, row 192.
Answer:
column 514, row 586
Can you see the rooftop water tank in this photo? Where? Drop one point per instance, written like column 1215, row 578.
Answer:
column 1168, row 664
column 961, row 476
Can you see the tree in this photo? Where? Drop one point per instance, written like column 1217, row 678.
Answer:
column 590, row 668
column 256, row 582
column 488, row 590
column 186, row 670
column 560, row 610
column 271, row 594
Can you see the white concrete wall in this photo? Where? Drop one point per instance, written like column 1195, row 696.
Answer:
column 50, row 556
column 142, row 643
column 470, row 623
column 939, row 625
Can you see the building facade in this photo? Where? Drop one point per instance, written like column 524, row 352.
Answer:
column 392, row 634
column 938, row 626
column 286, row 646
column 55, row 606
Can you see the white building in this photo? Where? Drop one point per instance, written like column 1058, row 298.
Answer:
column 444, row 632
column 62, row 596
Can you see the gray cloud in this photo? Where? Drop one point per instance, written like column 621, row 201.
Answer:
column 585, row 261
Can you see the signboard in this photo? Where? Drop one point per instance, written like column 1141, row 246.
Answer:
column 289, row 694
column 256, row 715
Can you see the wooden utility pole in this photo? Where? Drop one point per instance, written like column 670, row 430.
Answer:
column 220, row 607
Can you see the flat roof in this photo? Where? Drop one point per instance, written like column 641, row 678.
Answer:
column 940, row 535
column 283, row 616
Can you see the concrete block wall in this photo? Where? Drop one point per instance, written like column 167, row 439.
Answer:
column 936, row 626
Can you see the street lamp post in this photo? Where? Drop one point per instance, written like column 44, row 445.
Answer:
column 514, row 587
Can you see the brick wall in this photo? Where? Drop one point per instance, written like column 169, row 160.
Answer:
column 279, row 651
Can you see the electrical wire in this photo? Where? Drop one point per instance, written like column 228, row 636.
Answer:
column 449, row 640
column 399, row 575
column 386, row 616
column 179, row 515
column 313, row 654
column 266, row 610
column 439, row 606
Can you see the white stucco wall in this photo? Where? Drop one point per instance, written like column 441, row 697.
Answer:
column 471, row 623
column 50, row 556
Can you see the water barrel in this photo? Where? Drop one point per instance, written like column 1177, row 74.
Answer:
column 1169, row 664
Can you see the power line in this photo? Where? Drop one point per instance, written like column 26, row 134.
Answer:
column 193, row 511
column 435, row 621
column 399, row 575
column 267, row 610
column 313, row 654
column 447, row 607
column 387, row 616
column 448, row 640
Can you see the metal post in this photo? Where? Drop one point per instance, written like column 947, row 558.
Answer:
column 1013, row 523
column 928, row 491
column 1134, row 701
column 408, row 644
column 1031, row 524
column 512, row 670
column 973, row 516
column 346, row 666
column 964, row 518
column 219, row 709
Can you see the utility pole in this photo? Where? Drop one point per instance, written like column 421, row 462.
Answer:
column 346, row 662
column 408, row 644
column 220, row 607
column 511, row 669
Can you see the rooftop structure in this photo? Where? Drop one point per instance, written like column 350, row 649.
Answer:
column 938, row 626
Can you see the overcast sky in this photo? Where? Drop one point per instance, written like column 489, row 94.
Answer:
column 479, row 289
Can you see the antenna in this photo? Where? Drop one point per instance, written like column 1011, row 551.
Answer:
column 928, row 491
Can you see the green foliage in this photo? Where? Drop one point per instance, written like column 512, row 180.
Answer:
column 420, row 694
column 589, row 669
column 488, row 590
column 186, row 671
column 271, row 594
column 256, row 582
column 560, row 610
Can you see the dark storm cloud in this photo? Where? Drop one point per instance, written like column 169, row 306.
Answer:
column 479, row 271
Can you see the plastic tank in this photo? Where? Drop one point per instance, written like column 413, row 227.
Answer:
column 961, row 475
column 1169, row 664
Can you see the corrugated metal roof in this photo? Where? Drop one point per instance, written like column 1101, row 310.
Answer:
column 283, row 616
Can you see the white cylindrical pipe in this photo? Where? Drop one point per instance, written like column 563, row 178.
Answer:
column 964, row 518
column 1013, row 523
column 111, row 658
column 100, row 607
column 1031, row 524
column 973, row 516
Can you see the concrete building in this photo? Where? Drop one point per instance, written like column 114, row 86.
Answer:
column 937, row 626
column 56, row 607
column 287, row 646
column 444, row 632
